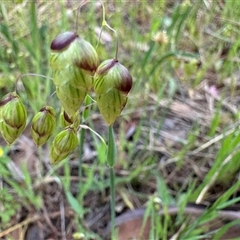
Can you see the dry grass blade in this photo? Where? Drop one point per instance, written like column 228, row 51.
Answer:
column 214, row 140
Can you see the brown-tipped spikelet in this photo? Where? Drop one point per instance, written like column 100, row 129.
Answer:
column 74, row 62
column 66, row 121
column 112, row 83
column 13, row 117
column 70, row 49
column 43, row 124
column 63, row 144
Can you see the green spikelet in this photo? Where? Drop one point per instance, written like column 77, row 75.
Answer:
column 63, row 144
column 70, row 98
column 66, row 121
column 68, row 49
column 78, row 78
column 72, row 85
column 43, row 124
column 74, row 62
column 112, row 83
column 13, row 117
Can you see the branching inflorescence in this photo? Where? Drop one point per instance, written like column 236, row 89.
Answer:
column 76, row 72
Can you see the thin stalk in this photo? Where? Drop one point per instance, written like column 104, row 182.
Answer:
column 78, row 11
column 30, row 74
column 112, row 191
column 104, row 23
column 112, row 150
column 111, row 159
column 85, row 115
column 80, row 154
column 34, row 106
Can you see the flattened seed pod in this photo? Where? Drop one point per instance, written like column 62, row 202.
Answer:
column 13, row 117
column 112, row 83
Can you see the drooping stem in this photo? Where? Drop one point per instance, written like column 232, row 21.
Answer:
column 104, row 23
column 35, row 106
column 78, row 10
column 30, row 74
column 111, row 159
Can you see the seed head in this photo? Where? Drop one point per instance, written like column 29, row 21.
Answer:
column 64, row 143
column 112, row 74
column 70, row 98
column 112, row 83
column 67, row 121
column 68, row 49
column 13, row 117
column 43, row 124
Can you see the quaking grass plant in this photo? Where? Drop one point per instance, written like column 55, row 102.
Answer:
column 76, row 71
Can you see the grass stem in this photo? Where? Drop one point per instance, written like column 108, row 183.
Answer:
column 80, row 155
column 111, row 159
column 85, row 115
column 112, row 192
